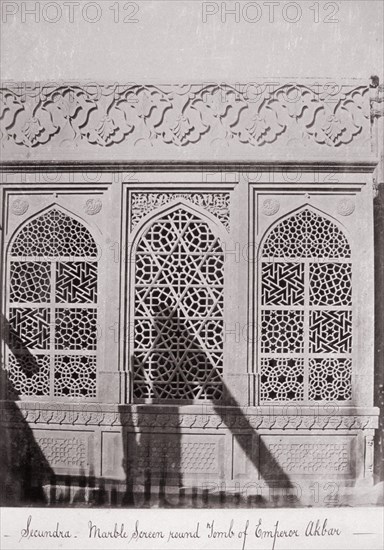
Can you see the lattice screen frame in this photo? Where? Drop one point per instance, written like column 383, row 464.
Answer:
column 305, row 356
column 217, row 229
column 53, row 351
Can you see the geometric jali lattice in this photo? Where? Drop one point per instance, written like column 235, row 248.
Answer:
column 52, row 308
column 330, row 284
column 282, row 284
column 282, row 379
column 179, row 285
column 76, row 282
column 29, row 374
column 306, row 311
column 76, row 329
column 30, row 281
column 75, row 376
column 282, row 331
column 330, row 379
column 330, row 331
column 30, row 328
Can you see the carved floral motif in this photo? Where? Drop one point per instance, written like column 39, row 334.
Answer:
column 180, row 115
column 215, row 203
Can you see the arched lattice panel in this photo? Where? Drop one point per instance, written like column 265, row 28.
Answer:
column 52, row 308
column 305, row 344
column 178, row 317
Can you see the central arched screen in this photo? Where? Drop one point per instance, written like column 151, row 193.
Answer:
column 178, row 318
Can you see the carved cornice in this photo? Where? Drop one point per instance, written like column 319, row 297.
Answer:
column 79, row 120
column 132, row 417
column 364, row 165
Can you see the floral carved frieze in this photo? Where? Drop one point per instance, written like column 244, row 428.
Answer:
column 254, row 115
column 215, row 203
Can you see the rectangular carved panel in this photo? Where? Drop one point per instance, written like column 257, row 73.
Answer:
column 170, row 455
column 178, row 454
column 285, row 456
column 66, row 451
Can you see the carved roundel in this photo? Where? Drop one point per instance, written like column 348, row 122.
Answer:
column 271, row 207
column 345, row 207
column 93, row 206
column 19, row 207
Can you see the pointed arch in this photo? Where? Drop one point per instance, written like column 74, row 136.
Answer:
column 304, row 233
column 305, row 310
column 178, row 283
column 52, row 288
column 53, row 231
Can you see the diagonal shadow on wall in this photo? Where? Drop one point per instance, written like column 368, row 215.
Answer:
column 154, row 458
column 24, row 469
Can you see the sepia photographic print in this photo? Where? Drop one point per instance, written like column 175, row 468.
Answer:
column 192, row 274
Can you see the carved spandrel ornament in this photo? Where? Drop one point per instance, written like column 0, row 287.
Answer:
column 327, row 114
column 216, row 203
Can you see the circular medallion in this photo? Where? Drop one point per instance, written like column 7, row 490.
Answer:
column 19, row 207
column 345, row 207
column 271, row 207
column 92, row 206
